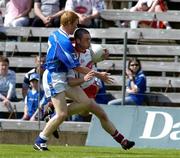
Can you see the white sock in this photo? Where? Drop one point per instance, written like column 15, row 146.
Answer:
column 42, row 136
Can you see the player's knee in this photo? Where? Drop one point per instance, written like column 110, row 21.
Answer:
column 99, row 112
column 61, row 116
column 87, row 102
column 102, row 114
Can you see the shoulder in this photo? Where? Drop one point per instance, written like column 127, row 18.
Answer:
column 30, row 72
column 141, row 74
column 59, row 35
column 11, row 72
column 87, row 55
column 29, row 92
column 89, row 52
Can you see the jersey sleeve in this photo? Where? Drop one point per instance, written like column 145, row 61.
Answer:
column 67, row 56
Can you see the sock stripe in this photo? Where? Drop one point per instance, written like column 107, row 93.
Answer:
column 118, row 136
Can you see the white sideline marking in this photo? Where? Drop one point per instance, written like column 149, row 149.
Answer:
column 121, row 155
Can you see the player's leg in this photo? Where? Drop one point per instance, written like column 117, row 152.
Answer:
column 109, row 127
column 100, row 113
column 60, row 106
column 56, row 90
column 49, row 112
column 80, row 100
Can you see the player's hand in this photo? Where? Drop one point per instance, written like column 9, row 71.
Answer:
column 109, row 80
column 106, row 77
column 89, row 75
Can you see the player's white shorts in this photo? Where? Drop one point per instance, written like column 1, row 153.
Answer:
column 54, row 83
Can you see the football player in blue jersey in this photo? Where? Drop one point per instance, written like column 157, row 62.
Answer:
column 60, row 59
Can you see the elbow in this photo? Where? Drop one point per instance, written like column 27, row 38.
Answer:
column 78, row 69
column 70, row 83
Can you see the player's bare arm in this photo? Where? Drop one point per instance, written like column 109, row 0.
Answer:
column 79, row 81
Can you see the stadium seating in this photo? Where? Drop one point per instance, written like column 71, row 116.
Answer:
column 116, row 14
column 157, row 49
column 160, row 60
column 113, row 4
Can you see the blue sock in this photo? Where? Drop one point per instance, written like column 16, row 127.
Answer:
column 40, row 140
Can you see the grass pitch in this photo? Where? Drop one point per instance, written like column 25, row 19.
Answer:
column 26, row 151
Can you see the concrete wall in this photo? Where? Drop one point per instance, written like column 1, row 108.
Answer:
column 28, row 137
column 25, row 132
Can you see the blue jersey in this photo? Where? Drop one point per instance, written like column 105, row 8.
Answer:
column 60, row 55
column 140, row 81
column 32, row 101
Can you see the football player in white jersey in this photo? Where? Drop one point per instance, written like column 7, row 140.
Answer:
column 91, row 87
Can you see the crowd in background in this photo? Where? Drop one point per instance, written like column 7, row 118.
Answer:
column 47, row 13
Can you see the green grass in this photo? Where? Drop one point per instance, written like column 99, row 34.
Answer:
column 26, row 151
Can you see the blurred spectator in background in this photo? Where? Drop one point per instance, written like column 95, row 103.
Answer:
column 2, row 34
column 87, row 10
column 2, row 6
column 32, row 99
column 103, row 97
column 7, row 83
column 3, row 3
column 150, row 6
column 1, row 20
column 39, row 68
column 35, row 103
column 17, row 12
column 48, row 13
column 2, row 29
column 136, row 85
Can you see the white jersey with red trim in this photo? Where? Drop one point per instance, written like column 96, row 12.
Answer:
column 85, row 60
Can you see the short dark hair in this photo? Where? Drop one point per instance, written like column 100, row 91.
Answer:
column 4, row 59
column 144, row 3
column 80, row 32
